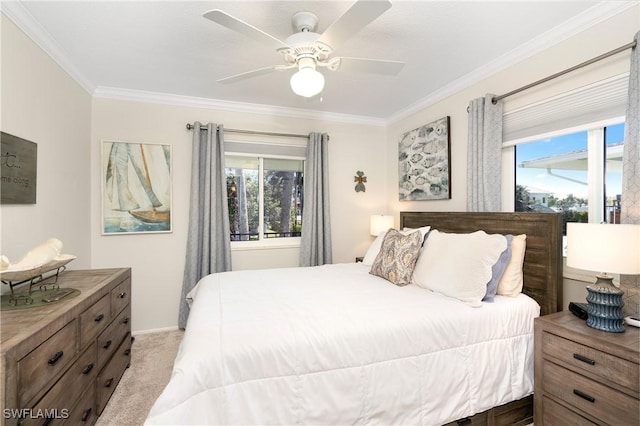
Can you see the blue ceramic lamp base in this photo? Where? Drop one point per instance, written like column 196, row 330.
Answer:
column 605, row 305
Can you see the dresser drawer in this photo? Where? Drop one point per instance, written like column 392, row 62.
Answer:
column 111, row 338
column 120, row 296
column 84, row 413
column 591, row 397
column 575, row 355
column 45, row 362
column 64, row 394
column 94, row 320
column 556, row 414
column 109, row 377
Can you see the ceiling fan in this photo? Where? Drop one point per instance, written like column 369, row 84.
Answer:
column 307, row 50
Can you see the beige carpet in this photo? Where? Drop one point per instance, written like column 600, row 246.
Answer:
column 151, row 363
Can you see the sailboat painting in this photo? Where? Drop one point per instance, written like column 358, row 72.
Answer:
column 136, row 188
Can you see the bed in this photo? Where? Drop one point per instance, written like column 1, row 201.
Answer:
column 337, row 345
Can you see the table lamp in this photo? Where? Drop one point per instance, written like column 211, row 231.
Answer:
column 380, row 223
column 610, row 248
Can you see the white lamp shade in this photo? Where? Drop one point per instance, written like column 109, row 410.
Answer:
column 307, row 82
column 380, row 223
column 604, row 247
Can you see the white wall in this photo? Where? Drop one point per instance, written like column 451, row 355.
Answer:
column 42, row 104
column 157, row 260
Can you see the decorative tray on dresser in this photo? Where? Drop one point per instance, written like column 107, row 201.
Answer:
column 62, row 361
column 585, row 376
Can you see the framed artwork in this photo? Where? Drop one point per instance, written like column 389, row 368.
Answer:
column 18, row 170
column 424, row 162
column 136, row 188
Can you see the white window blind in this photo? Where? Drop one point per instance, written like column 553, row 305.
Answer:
column 600, row 101
column 261, row 148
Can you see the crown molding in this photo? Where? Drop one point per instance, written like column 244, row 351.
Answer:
column 207, row 103
column 605, row 9
column 590, row 17
column 20, row 16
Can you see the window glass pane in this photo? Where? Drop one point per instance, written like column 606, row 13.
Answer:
column 282, row 198
column 242, row 193
column 614, row 138
column 551, row 175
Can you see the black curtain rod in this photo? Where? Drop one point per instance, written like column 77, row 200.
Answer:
column 253, row 132
column 568, row 70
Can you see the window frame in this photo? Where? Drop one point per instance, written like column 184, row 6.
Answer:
column 595, row 172
column 265, row 243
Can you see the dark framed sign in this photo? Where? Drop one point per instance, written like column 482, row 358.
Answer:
column 18, row 170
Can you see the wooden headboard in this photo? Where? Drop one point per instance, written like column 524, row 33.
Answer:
column 542, row 267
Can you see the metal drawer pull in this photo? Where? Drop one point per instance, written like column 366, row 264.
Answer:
column 86, row 415
column 87, row 369
column 127, row 352
column 126, row 320
column 584, row 395
column 56, row 357
column 99, row 318
column 122, row 295
column 108, row 383
column 107, row 344
column 584, row 359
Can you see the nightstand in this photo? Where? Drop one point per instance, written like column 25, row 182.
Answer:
column 585, row 376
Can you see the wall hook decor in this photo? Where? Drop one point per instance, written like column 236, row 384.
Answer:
column 360, row 178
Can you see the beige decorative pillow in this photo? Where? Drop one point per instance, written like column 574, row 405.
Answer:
column 511, row 282
column 397, row 257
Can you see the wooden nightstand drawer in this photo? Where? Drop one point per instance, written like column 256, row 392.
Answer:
column 45, row 362
column 577, row 356
column 556, row 414
column 589, row 396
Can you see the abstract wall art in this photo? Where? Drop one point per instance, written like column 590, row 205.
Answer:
column 424, row 162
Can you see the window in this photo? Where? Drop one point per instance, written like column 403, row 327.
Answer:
column 265, row 196
column 578, row 174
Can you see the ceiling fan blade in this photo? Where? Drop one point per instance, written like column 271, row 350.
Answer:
column 375, row 66
column 361, row 14
column 233, row 23
column 250, row 74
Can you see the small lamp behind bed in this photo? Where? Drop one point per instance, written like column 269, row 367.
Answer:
column 380, row 223
column 610, row 248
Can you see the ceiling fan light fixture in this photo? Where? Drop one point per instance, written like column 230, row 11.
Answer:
column 307, row 82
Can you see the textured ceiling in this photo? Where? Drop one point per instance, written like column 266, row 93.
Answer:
column 169, row 48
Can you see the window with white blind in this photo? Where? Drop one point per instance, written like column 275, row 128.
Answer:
column 565, row 153
column 265, row 192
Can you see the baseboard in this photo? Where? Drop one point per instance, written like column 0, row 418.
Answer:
column 154, row 330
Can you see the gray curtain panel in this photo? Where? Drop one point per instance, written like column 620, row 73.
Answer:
column 315, row 245
column 208, row 241
column 484, row 156
column 630, row 209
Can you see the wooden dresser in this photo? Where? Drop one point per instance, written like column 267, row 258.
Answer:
column 61, row 362
column 585, row 376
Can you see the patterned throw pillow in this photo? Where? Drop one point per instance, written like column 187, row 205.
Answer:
column 397, row 257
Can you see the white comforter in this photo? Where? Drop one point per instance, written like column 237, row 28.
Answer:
column 336, row 345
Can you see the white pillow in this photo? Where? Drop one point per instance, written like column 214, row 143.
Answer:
column 375, row 246
column 458, row 265
column 373, row 249
column 511, row 282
